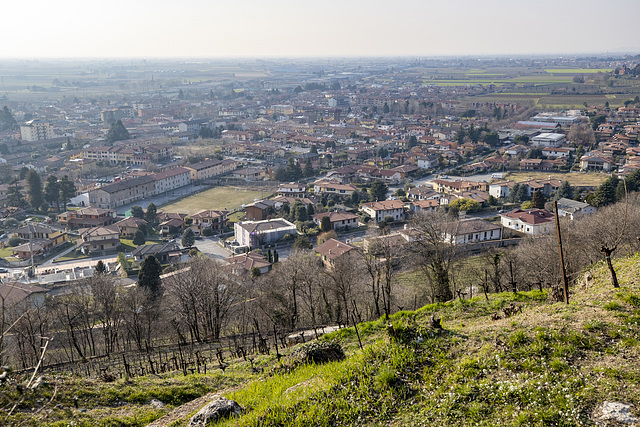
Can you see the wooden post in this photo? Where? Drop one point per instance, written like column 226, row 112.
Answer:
column 565, row 281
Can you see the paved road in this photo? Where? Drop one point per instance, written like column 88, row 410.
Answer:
column 211, row 247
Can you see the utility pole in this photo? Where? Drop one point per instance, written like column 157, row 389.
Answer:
column 564, row 271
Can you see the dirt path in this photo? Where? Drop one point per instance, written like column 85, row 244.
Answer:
column 183, row 411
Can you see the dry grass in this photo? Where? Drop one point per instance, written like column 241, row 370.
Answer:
column 576, row 179
column 228, row 198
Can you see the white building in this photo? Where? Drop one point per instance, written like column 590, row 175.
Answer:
column 535, row 222
column 574, row 209
column 548, row 140
column 36, row 130
column 380, row 210
column 257, row 233
column 472, row 231
column 171, row 179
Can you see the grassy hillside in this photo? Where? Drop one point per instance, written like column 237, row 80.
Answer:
column 548, row 364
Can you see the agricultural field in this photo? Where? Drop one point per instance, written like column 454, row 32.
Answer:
column 576, row 179
column 229, row 198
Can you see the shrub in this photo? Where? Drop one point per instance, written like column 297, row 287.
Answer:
column 14, row 241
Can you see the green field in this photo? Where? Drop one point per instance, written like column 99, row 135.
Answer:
column 228, row 198
column 578, row 70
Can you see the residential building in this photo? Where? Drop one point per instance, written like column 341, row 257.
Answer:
column 257, row 233
column 472, row 231
column 428, row 205
column 97, row 239
column 380, row 210
column 87, row 217
column 207, row 218
column 574, row 209
column 37, row 130
column 339, row 219
column 331, row 250
column 548, row 140
column 171, row 179
column 596, row 161
column 166, row 253
column 129, row 226
column 122, row 192
column 292, row 189
column 422, row 193
column 259, row 210
column 329, row 187
column 245, row 263
column 209, row 168
column 535, row 222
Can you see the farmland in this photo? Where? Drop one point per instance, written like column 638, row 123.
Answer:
column 576, row 179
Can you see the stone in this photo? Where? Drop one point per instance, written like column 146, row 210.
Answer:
column 215, row 410
column 615, row 411
column 156, row 404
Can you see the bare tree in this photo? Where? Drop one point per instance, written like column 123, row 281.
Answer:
column 106, row 308
column 345, row 282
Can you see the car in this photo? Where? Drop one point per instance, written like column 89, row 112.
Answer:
column 3, row 270
column 3, row 236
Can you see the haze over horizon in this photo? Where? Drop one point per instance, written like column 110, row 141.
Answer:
column 284, row 28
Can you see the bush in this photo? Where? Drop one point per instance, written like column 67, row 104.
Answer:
column 207, row 232
column 14, row 241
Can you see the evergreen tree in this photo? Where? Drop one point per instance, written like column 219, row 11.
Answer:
column 308, row 169
column 7, row 121
column 149, row 275
column 538, row 200
column 15, row 198
column 52, row 191
column 34, row 189
column 378, row 191
column 310, row 211
column 301, row 213
column 117, row 132
column 188, row 238
column 100, row 268
column 67, row 190
column 564, row 191
column 355, row 198
column 325, row 224
column 138, row 238
column 413, row 141
column 269, row 256
column 152, row 213
column 605, row 194
column 276, row 257
column 137, row 211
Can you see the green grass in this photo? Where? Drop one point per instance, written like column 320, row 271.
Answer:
column 578, row 70
column 228, row 198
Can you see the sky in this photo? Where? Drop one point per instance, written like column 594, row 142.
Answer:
column 327, row 28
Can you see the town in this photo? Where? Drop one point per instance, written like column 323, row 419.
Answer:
column 238, row 206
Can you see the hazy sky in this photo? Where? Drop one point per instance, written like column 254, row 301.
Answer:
column 214, row 28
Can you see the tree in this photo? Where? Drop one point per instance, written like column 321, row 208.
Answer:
column 308, row 169
column 188, row 238
column 100, row 268
column 52, row 191
column 301, row 213
column 152, row 213
column 310, row 211
column 492, row 139
column 434, row 254
column 413, row 141
column 385, row 108
column 149, row 275
column 597, row 120
column 518, row 194
column 205, row 132
column 605, row 194
column 276, row 256
column 564, row 191
column 67, row 190
column 538, row 200
column 465, row 205
column 138, row 238
column 581, row 134
column 15, row 198
column 7, row 121
column 117, row 132
column 323, row 237
column 293, row 171
column 137, row 212
column 302, row 243
column 34, row 189
column 378, row 190
column 325, row 224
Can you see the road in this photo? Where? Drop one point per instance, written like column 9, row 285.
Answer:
column 210, row 246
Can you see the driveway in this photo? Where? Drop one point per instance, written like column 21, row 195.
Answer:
column 211, row 247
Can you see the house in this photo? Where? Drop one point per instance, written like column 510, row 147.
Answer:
column 422, row 193
column 472, row 231
column 37, row 247
column 596, row 161
column 257, row 233
column 427, row 162
column 207, row 218
column 250, row 174
column 42, row 231
column 129, row 226
column 428, row 205
column 535, row 165
column 535, row 222
column 259, row 210
column 380, row 210
column 561, row 153
column 501, row 190
column 87, row 218
column 171, row 226
column 574, row 209
column 292, row 189
column 123, row 192
column 247, row 262
column 332, row 250
column 329, row 187
column 166, row 253
column 98, row 239
column 21, row 295
column 338, row 219
column 172, row 179
column 451, row 187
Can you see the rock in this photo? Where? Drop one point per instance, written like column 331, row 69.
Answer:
column 156, row 404
column 215, row 410
column 614, row 411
